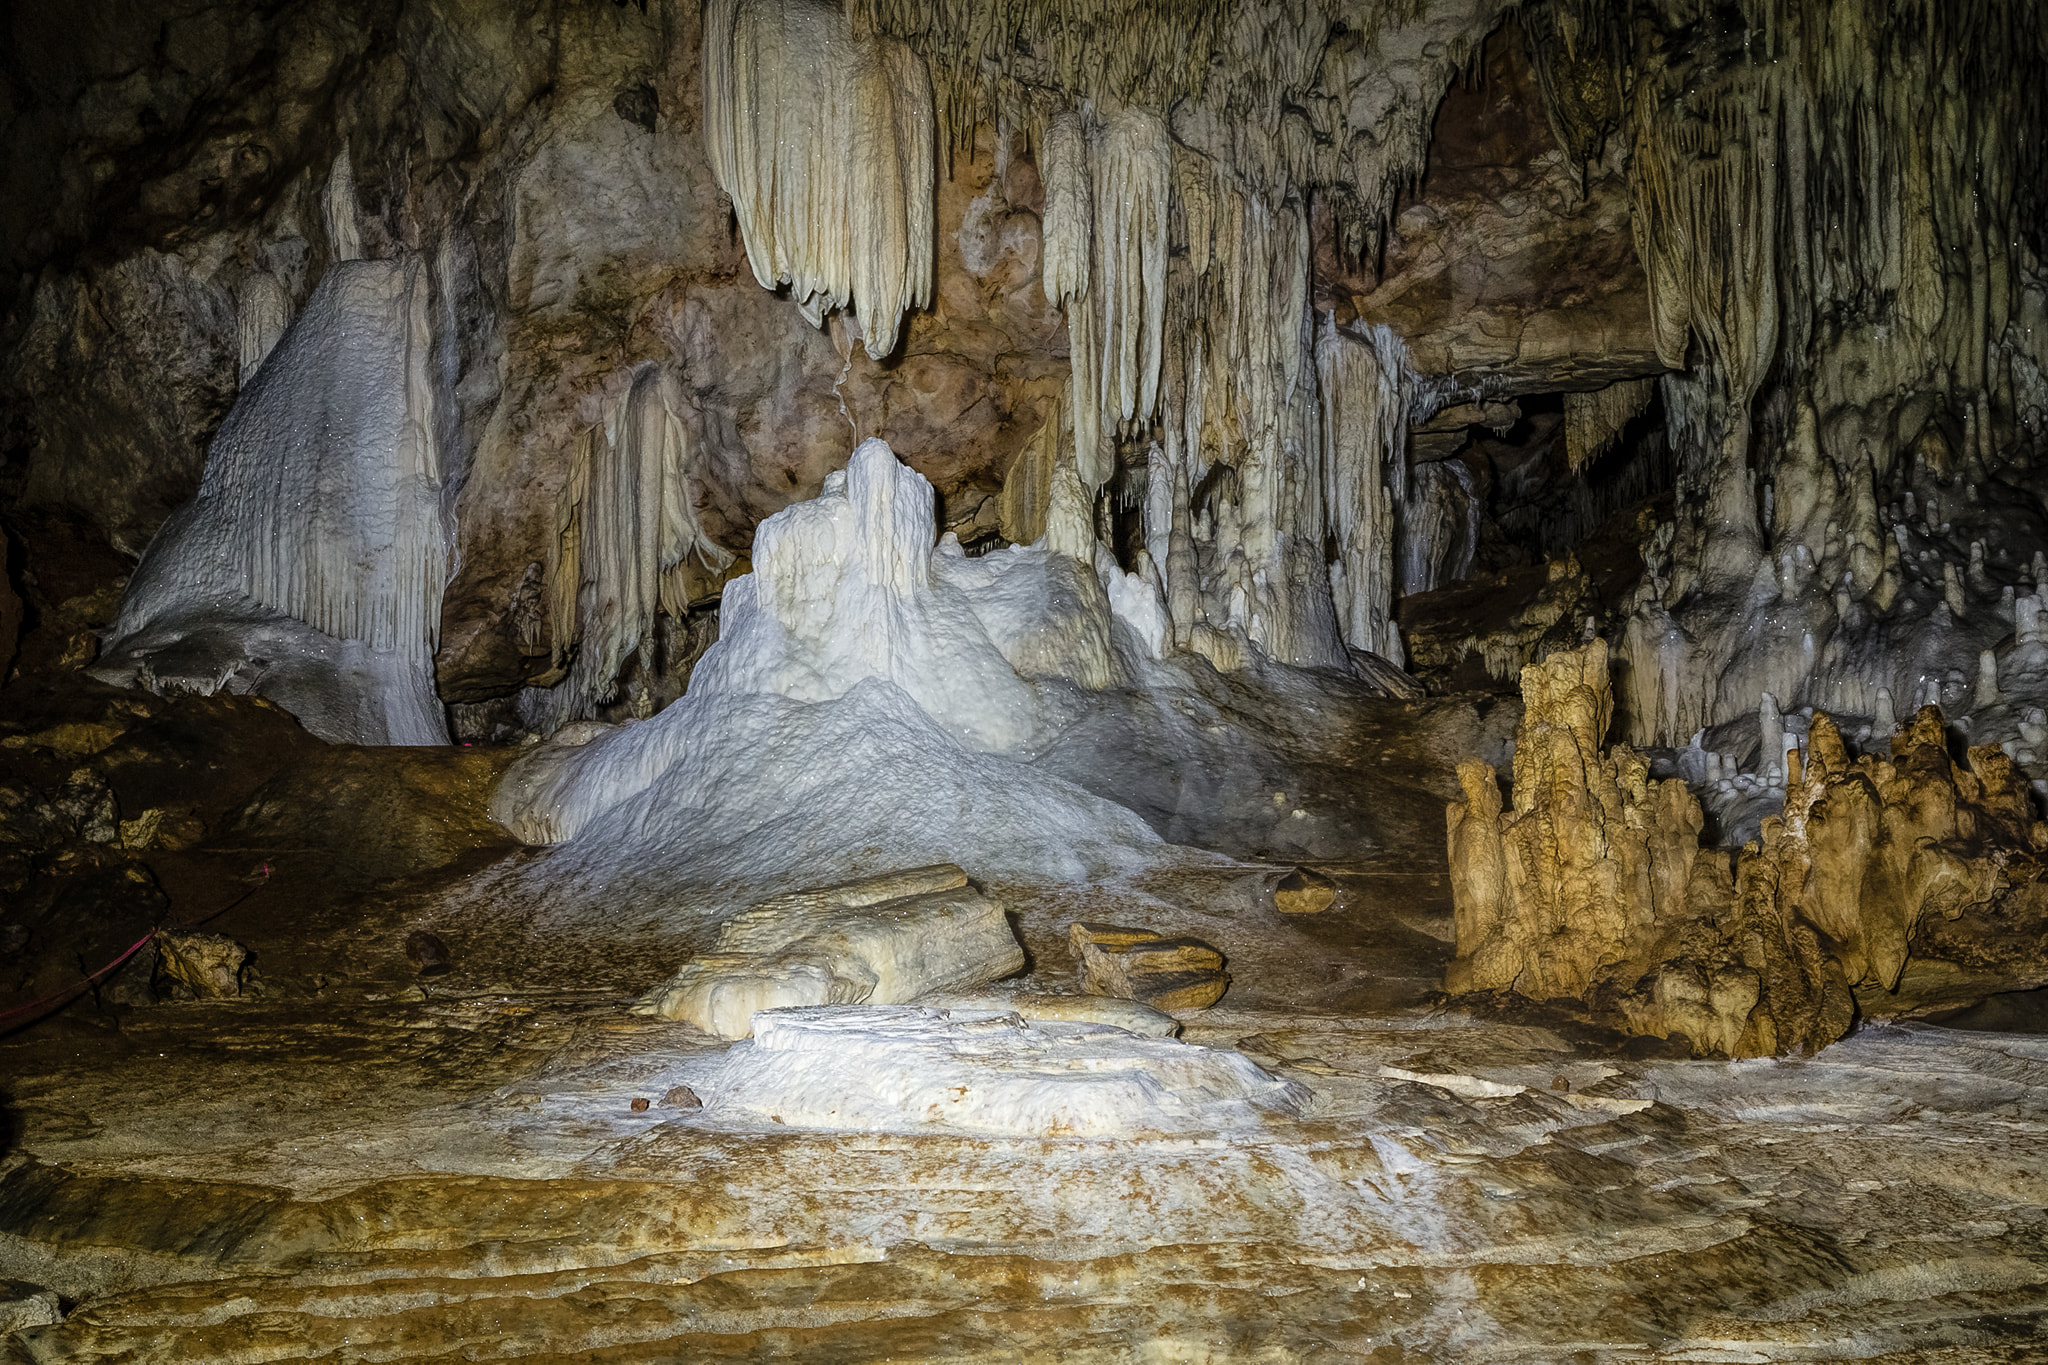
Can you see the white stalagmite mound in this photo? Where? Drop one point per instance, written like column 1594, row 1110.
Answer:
column 872, row 702
column 310, row 566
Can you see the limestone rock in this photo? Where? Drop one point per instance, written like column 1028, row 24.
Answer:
column 1137, row 964
column 1593, row 885
column 887, row 939
column 209, row 965
column 878, row 1068
column 427, row 953
column 1303, row 892
column 1508, row 271
column 24, row 1305
column 722, row 992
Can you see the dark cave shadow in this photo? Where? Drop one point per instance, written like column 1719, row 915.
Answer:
column 1015, row 921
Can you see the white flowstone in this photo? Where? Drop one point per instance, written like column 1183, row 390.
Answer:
column 865, row 684
column 888, row 940
column 910, row 1069
column 310, row 566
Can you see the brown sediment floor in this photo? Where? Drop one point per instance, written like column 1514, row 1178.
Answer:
column 359, row 1164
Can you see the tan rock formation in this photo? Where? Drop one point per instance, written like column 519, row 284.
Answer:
column 1552, row 891
column 209, row 965
column 1304, row 892
column 1593, row 885
column 1167, row 973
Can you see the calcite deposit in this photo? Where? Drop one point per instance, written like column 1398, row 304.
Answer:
column 1593, row 883
column 885, row 940
column 779, row 679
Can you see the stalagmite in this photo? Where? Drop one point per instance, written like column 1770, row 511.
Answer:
column 825, row 143
column 1771, row 728
column 1986, row 693
column 1952, row 592
column 1594, row 886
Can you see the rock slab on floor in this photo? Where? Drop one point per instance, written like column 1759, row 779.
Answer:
column 910, row 1068
column 883, row 940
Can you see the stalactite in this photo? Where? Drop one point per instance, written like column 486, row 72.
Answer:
column 1105, row 263
column 1132, row 168
column 1069, row 237
column 1027, row 487
column 1838, row 258
column 625, row 531
column 262, row 312
column 338, row 210
column 827, row 147
column 1069, row 513
column 1593, row 420
column 1366, row 395
column 1069, row 224
column 1181, row 258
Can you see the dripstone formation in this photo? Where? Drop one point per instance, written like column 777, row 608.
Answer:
column 1592, row 884
column 781, row 679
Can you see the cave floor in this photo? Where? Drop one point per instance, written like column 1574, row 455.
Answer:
column 357, row 1164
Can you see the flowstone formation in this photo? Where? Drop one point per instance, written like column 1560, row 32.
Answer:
column 879, row 1069
column 309, row 568
column 877, row 702
column 1594, row 886
column 865, row 683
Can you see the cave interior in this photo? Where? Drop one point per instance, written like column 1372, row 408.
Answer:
column 984, row 680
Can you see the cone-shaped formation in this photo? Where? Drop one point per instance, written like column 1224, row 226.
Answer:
column 309, row 568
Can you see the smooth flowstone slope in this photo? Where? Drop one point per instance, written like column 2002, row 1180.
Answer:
column 468, row 1180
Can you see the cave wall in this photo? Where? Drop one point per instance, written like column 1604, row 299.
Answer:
column 545, row 160
column 187, row 172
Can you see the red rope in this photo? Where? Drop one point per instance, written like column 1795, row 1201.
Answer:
column 64, row 995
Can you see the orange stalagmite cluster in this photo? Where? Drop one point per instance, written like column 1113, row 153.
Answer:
column 1593, row 885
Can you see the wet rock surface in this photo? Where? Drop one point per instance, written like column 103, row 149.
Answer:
column 453, row 1165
